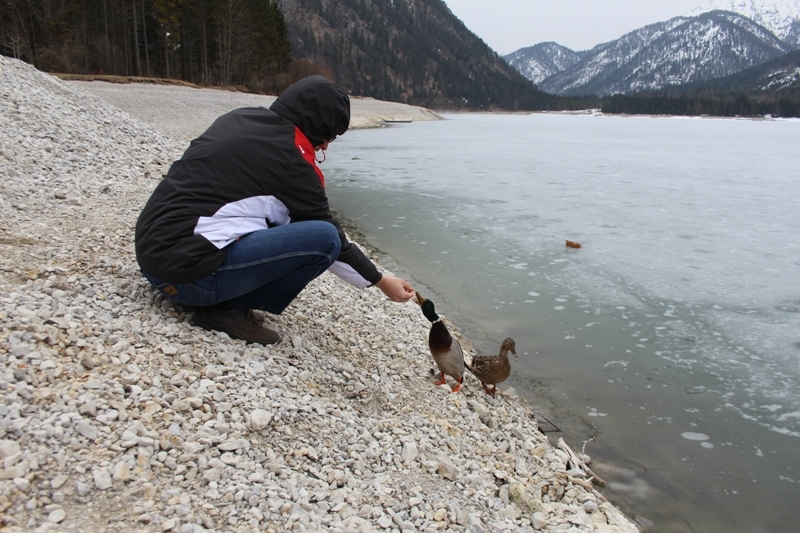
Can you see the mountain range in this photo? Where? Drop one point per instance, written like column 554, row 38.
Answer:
column 682, row 50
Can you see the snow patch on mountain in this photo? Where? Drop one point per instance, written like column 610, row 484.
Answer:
column 782, row 80
column 781, row 17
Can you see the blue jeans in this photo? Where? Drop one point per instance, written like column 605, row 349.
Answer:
column 264, row 270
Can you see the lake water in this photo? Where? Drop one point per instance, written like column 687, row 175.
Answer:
column 671, row 338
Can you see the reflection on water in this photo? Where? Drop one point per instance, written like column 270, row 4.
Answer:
column 671, row 337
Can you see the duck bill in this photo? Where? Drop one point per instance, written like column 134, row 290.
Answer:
column 419, row 299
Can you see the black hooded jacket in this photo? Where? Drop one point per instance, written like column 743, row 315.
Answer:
column 254, row 168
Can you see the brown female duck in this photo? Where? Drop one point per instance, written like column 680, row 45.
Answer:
column 446, row 350
column 493, row 369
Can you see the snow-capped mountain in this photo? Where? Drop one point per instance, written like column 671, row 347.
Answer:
column 690, row 47
column 541, row 61
column 680, row 50
column 781, row 17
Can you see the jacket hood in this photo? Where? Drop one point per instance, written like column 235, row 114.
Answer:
column 316, row 105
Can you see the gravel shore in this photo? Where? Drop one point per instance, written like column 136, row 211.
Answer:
column 117, row 415
column 184, row 113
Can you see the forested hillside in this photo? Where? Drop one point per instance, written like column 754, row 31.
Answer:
column 719, row 105
column 412, row 51
column 208, row 42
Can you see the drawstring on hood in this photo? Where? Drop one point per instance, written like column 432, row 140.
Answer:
column 317, row 106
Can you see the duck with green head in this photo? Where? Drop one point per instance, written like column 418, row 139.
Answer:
column 446, row 350
column 493, row 369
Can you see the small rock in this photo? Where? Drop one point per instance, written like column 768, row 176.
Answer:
column 195, row 403
column 87, row 430
column 58, row 481
column 169, row 350
column 12, row 472
column 22, row 484
column 447, row 470
column 260, row 419
column 93, row 384
column 181, row 406
column 233, row 445
column 83, row 488
column 229, row 458
column 211, row 475
column 102, row 479
column 8, row 448
column 57, row 515
column 122, row 472
column 88, row 409
column 409, row 452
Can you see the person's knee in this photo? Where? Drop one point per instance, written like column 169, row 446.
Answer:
column 331, row 237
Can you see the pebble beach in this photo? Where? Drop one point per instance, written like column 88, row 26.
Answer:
column 118, row 415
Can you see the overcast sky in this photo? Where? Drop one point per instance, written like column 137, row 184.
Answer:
column 508, row 25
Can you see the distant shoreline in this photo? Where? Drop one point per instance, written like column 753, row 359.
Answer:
column 367, row 112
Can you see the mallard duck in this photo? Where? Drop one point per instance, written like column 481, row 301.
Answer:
column 493, row 369
column 446, row 350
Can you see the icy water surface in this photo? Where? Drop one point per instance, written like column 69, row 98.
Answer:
column 671, row 337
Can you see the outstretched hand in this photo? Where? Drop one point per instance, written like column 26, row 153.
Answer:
column 396, row 289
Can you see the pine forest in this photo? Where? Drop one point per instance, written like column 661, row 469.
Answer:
column 206, row 42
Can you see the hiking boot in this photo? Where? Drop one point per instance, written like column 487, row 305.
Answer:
column 238, row 323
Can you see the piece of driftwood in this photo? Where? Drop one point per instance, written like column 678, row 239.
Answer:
column 578, row 463
column 575, row 481
column 573, row 244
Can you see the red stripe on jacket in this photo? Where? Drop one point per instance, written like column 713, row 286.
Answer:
column 307, row 151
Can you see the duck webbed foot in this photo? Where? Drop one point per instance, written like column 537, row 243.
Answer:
column 441, row 379
column 458, row 385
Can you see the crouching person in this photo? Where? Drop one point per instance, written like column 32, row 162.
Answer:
column 241, row 221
